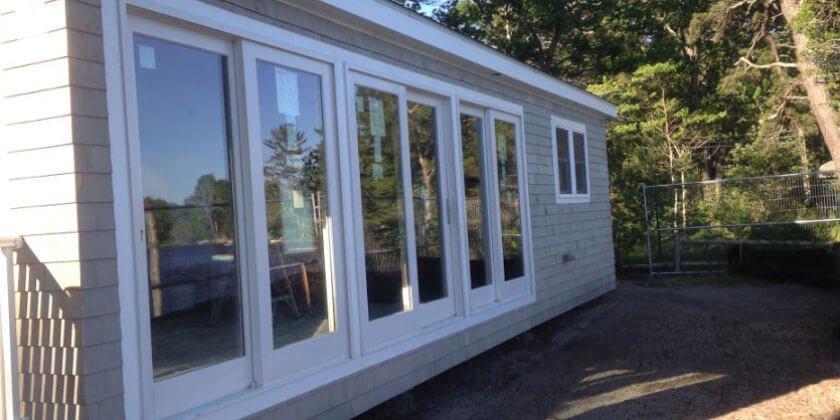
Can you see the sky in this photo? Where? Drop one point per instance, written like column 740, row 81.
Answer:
column 427, row 9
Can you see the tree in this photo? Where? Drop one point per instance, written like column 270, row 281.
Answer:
column 575, row 40
column 819, row 21
column 653, row 110
column 414, row 5
column 424, row 176
column 812, row 60
column 704, row 88
column 213, row 198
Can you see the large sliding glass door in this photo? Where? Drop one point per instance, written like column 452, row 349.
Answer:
column 427, row 140
column 510, row 187
column 239, row 264
column 294, row 174
column 185, row 151
column 406, row 284
column 283, row 227
column 491, row 162
column 477, row 199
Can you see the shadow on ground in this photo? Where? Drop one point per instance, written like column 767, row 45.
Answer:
column 685, row 351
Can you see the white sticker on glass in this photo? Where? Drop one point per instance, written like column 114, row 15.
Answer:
column 377, row 117
column 288, row 103
column 147, row 57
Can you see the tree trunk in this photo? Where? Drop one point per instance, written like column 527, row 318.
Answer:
column 426, row 173
column 818, row 95
column 671, row 173
column 154, row 264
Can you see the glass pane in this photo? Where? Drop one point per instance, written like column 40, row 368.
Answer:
column 580, row 163
column 188, row 203
column 294, row 167
column 563, row 164
column 509, row 200
column 422, row 137
column 471, row 143
column 383, row 213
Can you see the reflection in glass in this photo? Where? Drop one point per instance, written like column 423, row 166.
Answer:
column 580, row 163
column 377, row 119
column 294, row 169
column 422, row 138
column 563, row 163
column 471, row 143
column 509, row 199
column 188, row 206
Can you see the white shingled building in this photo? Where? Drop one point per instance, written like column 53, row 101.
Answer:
column 277, row 208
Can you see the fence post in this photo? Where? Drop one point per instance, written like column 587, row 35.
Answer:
column 647, row 230
column 677, row 251
column 8, row 333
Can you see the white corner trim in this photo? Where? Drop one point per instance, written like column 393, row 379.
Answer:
column 382, row 15
column 113, row 18
column 6, row 223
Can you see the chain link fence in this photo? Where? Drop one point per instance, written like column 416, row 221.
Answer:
column 708, row 226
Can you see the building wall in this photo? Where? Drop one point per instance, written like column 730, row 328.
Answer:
column 581, row 232
column 60, row 201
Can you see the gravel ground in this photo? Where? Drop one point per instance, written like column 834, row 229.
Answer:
column 743, row 350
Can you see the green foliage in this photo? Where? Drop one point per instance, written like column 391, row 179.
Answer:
column 819, row 20
column 690, row 105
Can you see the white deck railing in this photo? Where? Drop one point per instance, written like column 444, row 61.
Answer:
column 8, row 348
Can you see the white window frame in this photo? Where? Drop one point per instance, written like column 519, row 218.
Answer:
column 380, row 332
column 443, row 308
column 497, row 289
column 387, row 330
column 571, row 127
column 483, row 296
column 509, row 289
column 313, row 353
column 234, row 30
column 175, row 394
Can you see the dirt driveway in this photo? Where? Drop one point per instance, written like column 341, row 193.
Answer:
column 745, row 350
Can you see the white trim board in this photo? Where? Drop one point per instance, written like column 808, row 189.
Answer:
column 371, row 16
column 228, row 24
column 113, row 18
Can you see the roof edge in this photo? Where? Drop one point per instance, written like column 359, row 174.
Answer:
column 420, row 29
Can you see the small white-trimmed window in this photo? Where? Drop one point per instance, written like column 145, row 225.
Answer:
column 571, row 161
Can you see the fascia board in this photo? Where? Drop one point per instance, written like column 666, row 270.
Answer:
column 378, row 14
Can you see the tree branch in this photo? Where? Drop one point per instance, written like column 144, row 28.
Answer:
column 750, row 64
column 741, row 3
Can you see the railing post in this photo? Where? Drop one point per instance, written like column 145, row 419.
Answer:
column 8, row 333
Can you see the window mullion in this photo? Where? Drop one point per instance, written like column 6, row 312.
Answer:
column 408, row 200
column 494, row 220
column 256, row 230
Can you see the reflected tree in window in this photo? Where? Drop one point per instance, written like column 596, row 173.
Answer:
column 422, row 136
column 211, row 197
column 377, row 120
column 509, row 210
column 472, row 152
column 294, row 171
